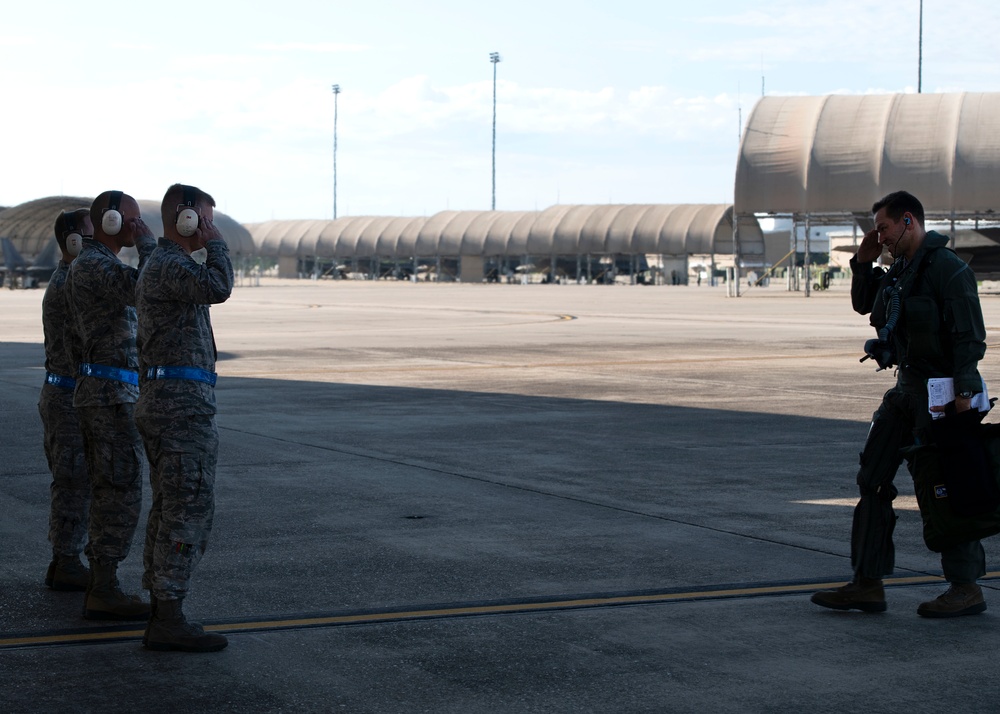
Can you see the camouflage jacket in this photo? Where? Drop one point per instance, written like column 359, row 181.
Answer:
column 101, row 291
column 175, row 329
column 56, row 325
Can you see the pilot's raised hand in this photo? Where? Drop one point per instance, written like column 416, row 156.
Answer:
column 870, row 248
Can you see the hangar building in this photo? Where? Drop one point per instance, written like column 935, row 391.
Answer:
column 30, row 225
column 813, row 160
column 582, row 242
column 826, row 160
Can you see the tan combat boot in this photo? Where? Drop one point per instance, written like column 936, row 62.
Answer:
column 960, row 599
column 67, row 573
column 865, row 594
column 168, row 629
column 105, row 599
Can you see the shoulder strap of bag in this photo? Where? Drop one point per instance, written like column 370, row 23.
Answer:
column 918, row 275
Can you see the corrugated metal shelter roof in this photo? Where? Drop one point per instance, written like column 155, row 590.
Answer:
column 839, row 154
column 29, row 225
column 558, row 230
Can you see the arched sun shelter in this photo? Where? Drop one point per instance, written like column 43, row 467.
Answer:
column 389, row 236
column 825, row 160
column 29, row 226
column 566, row 241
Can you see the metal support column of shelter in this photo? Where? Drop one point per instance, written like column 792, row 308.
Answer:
column 734, row 289
column 806, row 266
column 793, row 249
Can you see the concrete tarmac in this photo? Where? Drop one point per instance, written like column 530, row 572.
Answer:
column 472, row 498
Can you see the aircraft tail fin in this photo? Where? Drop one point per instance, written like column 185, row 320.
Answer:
column 48, row 259
column 11, row 258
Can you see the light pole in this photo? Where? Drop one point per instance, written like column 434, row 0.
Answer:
column 336, row 91
column 920, row 51
column 494, row 58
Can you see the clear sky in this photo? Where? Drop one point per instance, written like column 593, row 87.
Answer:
column 597, row 102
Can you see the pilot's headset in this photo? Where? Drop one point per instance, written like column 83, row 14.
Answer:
column 187, row 214
column 111, row 217
column 72, row 237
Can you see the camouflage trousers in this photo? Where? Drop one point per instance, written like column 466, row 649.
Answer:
column 182, row 452
column 899, row 421
column 69, row 513
column 114, row 459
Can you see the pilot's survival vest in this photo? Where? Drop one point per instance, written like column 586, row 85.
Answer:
column 919, row 340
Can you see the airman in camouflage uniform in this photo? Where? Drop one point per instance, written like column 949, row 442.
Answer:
column 102, row 293
column 176, row 409
column 70, row 489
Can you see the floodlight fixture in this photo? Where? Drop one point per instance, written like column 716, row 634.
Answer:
column 495, row 59
column 336, row 93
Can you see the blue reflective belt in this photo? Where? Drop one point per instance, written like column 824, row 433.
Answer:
column 104, row 372
column 57, row 380
column 195, row 374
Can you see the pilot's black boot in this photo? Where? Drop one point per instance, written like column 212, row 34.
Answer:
column 168, row 629
column 960, row 599
column 865, row 594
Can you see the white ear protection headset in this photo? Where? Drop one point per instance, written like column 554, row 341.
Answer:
column 187, row 215
column 72, row 237
column 111, row 218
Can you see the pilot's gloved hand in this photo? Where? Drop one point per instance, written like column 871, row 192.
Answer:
column 881, row 352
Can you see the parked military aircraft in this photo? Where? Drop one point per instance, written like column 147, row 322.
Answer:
column 17, row 272
column 979, row 247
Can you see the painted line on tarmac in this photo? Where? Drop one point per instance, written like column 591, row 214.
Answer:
column 123, row 633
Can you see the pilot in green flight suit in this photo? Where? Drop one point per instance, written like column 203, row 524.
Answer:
column 938, row 332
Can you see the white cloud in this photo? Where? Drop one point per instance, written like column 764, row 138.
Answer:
column 847, row 31
column 649, row 112
column 416, row 105
column 265, row 149
column 17, row 41
column 321, row 47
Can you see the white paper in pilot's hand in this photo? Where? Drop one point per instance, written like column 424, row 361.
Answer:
column 941, row 391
